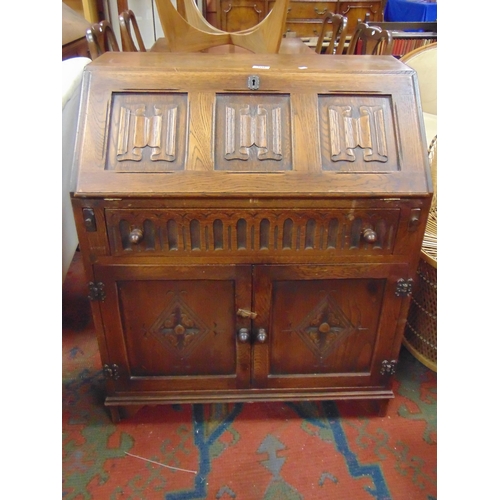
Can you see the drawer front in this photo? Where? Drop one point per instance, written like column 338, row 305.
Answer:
column 310, row 10
column 359, row 11
column 304, row 28
column 273, row 233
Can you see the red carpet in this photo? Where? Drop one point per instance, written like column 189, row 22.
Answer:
column 259, row 451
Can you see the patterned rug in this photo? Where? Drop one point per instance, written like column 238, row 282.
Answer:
column 259, row 451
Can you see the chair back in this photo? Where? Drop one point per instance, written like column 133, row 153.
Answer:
column 337, row 24
column 101, row 38
column 128, row 23
column 370, row 40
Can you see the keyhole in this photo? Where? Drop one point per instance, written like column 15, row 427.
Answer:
column 253, row 82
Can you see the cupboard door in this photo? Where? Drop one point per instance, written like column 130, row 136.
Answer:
column 326, row 326
column 175, row 328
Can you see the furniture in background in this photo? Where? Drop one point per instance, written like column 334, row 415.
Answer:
column 335, row 25
column 410, row 10
column 305, row 17
column 370, row 40
column 90, row 10
column 424, row 61
column 101, row 38
column 265, row 37
column 236, row 251
column 74, row 27
column 421, row 328
column 72, row 71
column 190, row 11
column 420, row 336
column 288, row 46
column 130, row 33
column 409, row 36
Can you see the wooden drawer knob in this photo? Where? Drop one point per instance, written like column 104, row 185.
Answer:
column 369, row 235
column 135, row 236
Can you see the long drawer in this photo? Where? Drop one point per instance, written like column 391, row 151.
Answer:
column 310, row 10
column 273, row 232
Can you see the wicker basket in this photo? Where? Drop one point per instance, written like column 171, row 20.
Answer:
column 420, row 336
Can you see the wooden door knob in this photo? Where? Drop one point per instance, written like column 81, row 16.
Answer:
column 243, row 335
column 261, row 335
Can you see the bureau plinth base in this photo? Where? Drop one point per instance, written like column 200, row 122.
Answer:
column 123, row 407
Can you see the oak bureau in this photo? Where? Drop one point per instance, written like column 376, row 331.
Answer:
column 250, row 225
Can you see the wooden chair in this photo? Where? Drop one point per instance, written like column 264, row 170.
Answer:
column 371, row 40
column 337, row 24
column 101, row 38
column 128, row 22
column 182, row 36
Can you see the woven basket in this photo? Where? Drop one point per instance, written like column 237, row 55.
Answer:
column 420, row 336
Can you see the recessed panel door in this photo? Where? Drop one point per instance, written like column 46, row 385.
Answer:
column 325, row 326
column 176, row 328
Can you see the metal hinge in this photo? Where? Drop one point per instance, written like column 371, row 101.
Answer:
column 404, row 287
column 96, row 291
column 388, row 367
column 111, row 371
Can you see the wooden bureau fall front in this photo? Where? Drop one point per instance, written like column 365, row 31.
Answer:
column 250, row 225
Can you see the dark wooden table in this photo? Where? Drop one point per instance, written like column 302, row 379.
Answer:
column 288, row 46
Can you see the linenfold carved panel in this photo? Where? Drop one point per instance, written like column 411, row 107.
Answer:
column 147, row 132
column 357, row 134
column 253, row 133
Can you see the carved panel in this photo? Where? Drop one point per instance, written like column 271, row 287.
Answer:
column 178, row 328
column 357, row 134
column 258, row 231
column 147, row 132
column 324, row 327
column 253, row 133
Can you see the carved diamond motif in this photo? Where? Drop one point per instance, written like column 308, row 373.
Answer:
column 324, row 327
column 179, row 328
